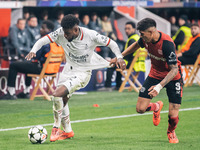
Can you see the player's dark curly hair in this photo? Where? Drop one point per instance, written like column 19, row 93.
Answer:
column 49, row 24
column 145, row 24
column 69, row 21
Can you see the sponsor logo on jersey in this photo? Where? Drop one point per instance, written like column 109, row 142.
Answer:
column 55, row 33
column 79, row 59
column 172, row 57
column 156, row 57
column 160, row 52
column 104, row 39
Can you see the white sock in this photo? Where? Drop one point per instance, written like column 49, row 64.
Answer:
column 157, row 106
column 57, row 110
column 65, row 120
column 11, row 90
column 27, row 90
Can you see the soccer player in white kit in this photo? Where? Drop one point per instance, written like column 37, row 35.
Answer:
column 79, row 44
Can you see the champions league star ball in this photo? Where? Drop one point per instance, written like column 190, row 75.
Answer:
column 37, row 134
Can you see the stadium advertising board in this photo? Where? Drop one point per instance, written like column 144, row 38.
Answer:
column 97, row 81
column 93, row 3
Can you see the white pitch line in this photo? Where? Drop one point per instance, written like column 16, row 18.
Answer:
column 105, row 118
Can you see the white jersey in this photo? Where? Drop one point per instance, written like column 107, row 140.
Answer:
column 80, row 51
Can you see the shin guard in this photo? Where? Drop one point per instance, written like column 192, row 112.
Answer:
column 57, row 110
column 65, row 120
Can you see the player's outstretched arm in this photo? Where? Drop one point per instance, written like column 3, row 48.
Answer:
column 43, row 41
column 131, row 49
column 172, row 73
column 113, row 62
column 119, row 62
column 154, row 90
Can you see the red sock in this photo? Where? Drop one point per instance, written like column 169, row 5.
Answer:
column 173, row 121
column 151, row 107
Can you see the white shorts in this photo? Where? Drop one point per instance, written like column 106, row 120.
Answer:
column 73, row 79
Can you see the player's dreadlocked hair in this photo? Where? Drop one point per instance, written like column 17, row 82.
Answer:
column 69, row 21
column 49, row 24
column 145, row 24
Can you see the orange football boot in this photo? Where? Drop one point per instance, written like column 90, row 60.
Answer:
column 55, row 133
column 64, row 135
column 156, row 114
column 172, row 137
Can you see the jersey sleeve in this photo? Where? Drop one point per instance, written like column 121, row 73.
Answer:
column 99, row 39
column 168, row 49
column 54, row 36
column 140, row 42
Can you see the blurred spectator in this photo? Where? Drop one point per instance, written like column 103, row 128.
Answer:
column 85, row 21
column 107, row 27
column 33, row 30
column 26, row 15
column 191, row 50
column 94, row 23
column 57, row 22
column 183, row 34
column 44, row 16
column 76, row 13
column 174, row 27
column 32, row 67
column 108, row 31
column 18, row 40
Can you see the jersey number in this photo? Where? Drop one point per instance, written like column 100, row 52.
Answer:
column 178, row 86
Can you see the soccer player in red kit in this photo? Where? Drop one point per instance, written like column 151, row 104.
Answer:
column 165, row 72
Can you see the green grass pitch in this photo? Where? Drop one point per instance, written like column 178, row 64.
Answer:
column 129, row 133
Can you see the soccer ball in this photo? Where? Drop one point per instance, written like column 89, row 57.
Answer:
column 37, row 134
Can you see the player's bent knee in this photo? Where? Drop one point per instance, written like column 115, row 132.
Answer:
column 173, row 106
column 55, row 94
column 176, row 106
column 141, row 111
column 61, row 91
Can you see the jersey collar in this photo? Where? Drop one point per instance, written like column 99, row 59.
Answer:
column 80, row 36
column 158, row 39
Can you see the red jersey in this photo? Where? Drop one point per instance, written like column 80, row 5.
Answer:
column 162, row 54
